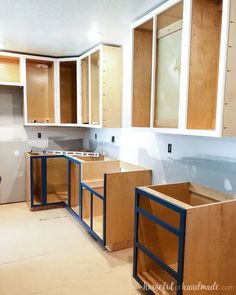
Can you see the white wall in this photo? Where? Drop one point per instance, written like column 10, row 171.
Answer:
column 15, row 140
column 208, row 161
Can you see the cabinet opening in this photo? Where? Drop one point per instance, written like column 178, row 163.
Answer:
column 154, row 277
column 95, row 97
column 142, row 74
column 37, row 182
column 74, row 187
column 57, row 180
column 204, row 64
column 40, row 91
column 168, row 67
column 191, row 194
column 85, row 89
column 9, row 69
column 68, row 89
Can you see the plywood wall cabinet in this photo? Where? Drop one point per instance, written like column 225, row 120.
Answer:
column 11, row 69
column 101, row 87
column 191, row 46
column 184, row 236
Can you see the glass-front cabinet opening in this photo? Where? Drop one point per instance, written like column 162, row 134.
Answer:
column 168, row 67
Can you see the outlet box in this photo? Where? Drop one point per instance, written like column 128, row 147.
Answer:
column 113, row 139
column 169, row 148
column 39, row 135
column 95, row 136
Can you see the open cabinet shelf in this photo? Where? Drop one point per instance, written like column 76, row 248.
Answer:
column 40, row 91
column 101, row 87
column 68, row 92
column 175, row 227
column 186, row 51
column 9, row 70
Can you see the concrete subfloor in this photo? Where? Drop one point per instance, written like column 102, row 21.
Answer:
column 49, row 253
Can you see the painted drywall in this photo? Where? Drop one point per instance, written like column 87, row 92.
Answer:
column 15, row 139
column 207, row 161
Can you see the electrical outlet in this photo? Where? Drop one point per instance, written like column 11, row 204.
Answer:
column 169, row 148
column 113, row 139
column 95, row 136
column 39, row 135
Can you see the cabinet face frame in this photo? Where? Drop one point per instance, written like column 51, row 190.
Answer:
column 185, row 64
column 21, row 68
column 88, row 54
column 58, row 97
column 55, row 80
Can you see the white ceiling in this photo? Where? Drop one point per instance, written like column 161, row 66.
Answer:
column 63, row 27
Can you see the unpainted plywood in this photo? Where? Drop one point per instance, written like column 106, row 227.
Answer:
column 120, row 192
column 95, row 94
column 85, row 89
column 142, row 75
column 229, row 122
column 112, row 90
column 40, row 91
column 68, row 89
column 204, row 64
column 9, row 69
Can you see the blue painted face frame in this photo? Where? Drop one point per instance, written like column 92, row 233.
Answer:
column 82, row 186
column 180, row 233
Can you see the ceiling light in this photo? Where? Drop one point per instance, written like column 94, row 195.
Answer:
column 2, row 44
column 94, row 35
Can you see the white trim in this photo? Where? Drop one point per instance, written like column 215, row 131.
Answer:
column 57, row 106
column 11, row 84
column 153, row 79
column 185, row 64
column 222, row 66
column 155, row 12
column 131, row 78
column 79, row 92
column 101, row 63
column 89, row 89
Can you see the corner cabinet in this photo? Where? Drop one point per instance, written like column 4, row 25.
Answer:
column 81, row 91
column 183, row 67
column 101, row 87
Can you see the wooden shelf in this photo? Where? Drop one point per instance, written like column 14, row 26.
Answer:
column 68, row 92
column 9, row 70
column 40, row 91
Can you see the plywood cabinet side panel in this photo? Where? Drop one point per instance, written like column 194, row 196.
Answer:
column 112, row 81
column 68, row 89
column 74, row 186
column 210, row 246
column 27, row 180
column 204, row 64
column 229, row 122
column 85, row 90
column 96, row 170
column 10, row 69
column 120, row 193
column 142, row 77
column 95, row 89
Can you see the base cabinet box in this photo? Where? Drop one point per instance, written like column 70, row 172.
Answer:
column 185, row 238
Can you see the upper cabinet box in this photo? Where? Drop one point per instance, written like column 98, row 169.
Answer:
column 39, row 91
column 68, row 91
column 184, row 61
column 10, row 70
column 101, row 87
